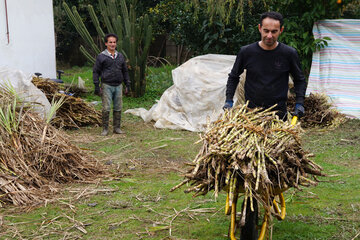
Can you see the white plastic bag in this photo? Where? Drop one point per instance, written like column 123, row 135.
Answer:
column 25, row 89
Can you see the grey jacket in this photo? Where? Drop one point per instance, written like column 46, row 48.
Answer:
column 111, row 71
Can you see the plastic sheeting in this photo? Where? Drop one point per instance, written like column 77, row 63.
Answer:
column 25, row 89
column 335, row 69
column 198, row 94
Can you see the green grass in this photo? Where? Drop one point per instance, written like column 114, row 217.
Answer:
column 149, row 162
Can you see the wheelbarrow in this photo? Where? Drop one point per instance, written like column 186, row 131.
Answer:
column 249, row 230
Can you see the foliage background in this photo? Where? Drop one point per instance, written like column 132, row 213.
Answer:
column 215, row 27
column 67, row 39
column 195, row 24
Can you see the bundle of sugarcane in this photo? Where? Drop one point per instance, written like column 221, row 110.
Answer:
column 75, row 113
column 253, row 152
column 319, row 111
column 34, row 154
column 47, row 86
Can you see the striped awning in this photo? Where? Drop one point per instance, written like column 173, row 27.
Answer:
column 335, row 69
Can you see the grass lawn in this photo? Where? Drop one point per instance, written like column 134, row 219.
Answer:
column 146, row 162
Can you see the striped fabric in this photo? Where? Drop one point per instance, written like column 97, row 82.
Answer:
column 335, row 70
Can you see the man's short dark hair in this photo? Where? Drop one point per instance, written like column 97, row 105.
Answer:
column 110, row 35
column 273, row 15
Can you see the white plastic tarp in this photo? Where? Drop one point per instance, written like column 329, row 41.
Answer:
column 198, row 94
column 25, row 89
column 335, row 69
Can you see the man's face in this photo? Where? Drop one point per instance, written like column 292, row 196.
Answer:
column 111, row 44
column 270, row 32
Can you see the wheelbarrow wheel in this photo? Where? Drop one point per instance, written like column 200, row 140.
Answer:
column 249, row 231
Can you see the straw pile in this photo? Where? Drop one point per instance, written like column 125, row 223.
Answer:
column 319, row 111
column 253, row 152
column 35, row 154
column 48, row 87
column 74, row 113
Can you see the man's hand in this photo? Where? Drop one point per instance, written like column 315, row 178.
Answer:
column 127, row 91
column 228, row 104
column 299, row 110
column 97, row 91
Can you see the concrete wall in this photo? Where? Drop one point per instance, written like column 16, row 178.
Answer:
column 31, row 45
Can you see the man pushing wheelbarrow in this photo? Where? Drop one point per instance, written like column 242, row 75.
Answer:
column 268, row 64
column 253, row 150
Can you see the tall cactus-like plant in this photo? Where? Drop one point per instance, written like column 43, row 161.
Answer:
column 134, row 33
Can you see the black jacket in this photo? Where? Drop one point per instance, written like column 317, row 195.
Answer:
column 111, row 71
column 267, row 75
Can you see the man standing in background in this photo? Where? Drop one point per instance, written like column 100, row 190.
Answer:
column 111, row 67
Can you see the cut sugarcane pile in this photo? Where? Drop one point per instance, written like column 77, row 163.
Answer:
column 74, row 112
column 319, row 111
column 253, row 152
column 48, row 87
column 35, row 155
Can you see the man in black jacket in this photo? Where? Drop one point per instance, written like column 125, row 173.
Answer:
column 268, row 64
column 111, row 67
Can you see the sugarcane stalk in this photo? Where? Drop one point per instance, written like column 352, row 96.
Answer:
column 180, row 184
column 243, row 213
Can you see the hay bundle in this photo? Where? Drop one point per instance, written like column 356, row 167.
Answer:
column 74, row 112
column 319, row 111
column 251, row 151
column 47, row 86
column 34, row 154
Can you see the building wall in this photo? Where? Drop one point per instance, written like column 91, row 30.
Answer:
column 31, row 45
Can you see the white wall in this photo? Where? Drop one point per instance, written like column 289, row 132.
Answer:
column 32, row 37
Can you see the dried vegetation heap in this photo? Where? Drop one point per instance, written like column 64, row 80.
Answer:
column 48, row 87
column 34, row 155
column 319, row 111
column 253, row 152
column 74, row 112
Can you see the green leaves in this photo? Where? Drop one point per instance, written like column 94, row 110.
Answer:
column 8, row 118
column 320, row 43
column 55, row 105
column 8, row 110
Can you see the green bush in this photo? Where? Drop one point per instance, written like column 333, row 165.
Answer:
column 201, row 34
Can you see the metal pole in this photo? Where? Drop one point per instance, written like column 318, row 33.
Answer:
column 7, row 23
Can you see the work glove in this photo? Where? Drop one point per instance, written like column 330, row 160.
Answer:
column 127, row 91
column 299, row 110
column 97, row 90
column 228, row 104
